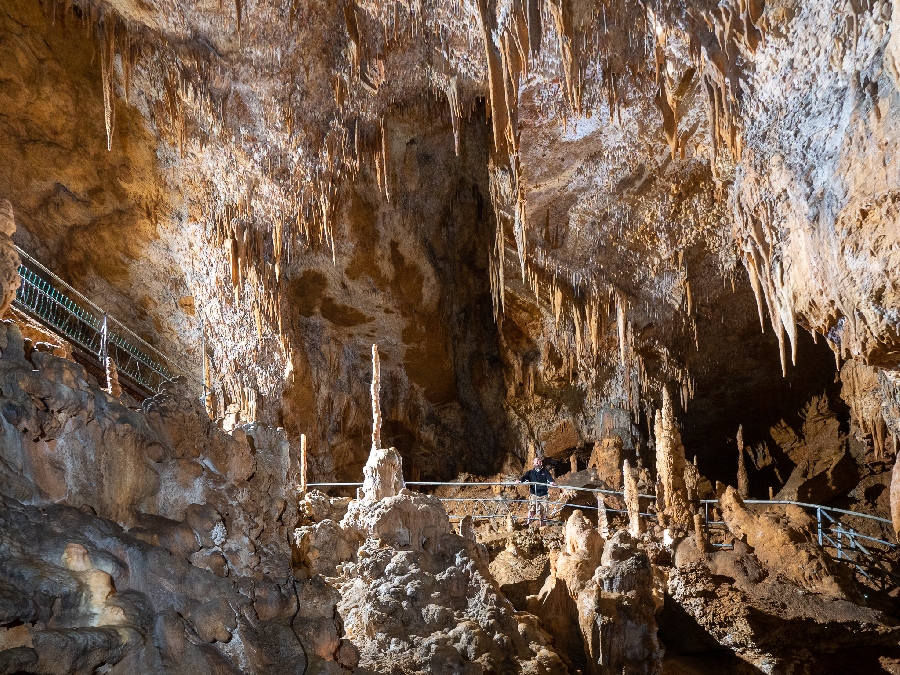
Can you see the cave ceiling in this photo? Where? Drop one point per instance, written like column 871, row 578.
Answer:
column 540, row 210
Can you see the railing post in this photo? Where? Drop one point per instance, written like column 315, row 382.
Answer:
column 819, row 524
column 104, row 337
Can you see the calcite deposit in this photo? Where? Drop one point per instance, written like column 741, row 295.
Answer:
column 373, row 245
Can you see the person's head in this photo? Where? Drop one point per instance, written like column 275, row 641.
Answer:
column 538, row 463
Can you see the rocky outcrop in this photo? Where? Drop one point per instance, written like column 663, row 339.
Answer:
column 782, row 539
column 415, row 596
column 140, row 540
column 90, row 594
column 731, row 600
column 823, row 466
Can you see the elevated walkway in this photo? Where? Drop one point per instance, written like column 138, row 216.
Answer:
column 94, row 334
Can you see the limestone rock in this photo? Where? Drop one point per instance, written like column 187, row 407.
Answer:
column 824, row 467
column 406, row 593
column 382, row 474
column 616, row 613
column 606, row 458
column 783, row 541
column 581, row 556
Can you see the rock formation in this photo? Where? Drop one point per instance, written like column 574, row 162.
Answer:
column 606, row 458
column 415, row 596
column 616, row 613
column 782, row 539
column 743, row 483
column 632, row 501
column 670, row 465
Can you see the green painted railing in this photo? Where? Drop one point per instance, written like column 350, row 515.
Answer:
column 52, row 302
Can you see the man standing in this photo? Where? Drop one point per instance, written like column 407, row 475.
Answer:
column 538, row 478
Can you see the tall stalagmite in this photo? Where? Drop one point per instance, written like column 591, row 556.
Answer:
column 670, row 464
column 632, row 500
column 742, row 480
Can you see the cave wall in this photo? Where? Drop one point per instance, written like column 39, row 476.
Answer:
column 94, row 216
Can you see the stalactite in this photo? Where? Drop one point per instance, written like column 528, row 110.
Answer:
column 519, row 230
column 620, row 323
column 455, row 109
column 238, row 14
column 108, row 73
column 568, row 48
column 499, row 113
column 386, row 161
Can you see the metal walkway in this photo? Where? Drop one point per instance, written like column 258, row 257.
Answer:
column 868, row 555
column 53, row 303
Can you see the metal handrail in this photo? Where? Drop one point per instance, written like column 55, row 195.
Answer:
column 507, row 484
column 54, row 303
column 823, row 513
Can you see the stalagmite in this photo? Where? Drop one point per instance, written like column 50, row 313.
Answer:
column 303, row 465
column 113, row 388
column 700, row 534
column 670, row 463
column 692, row 481
column 632, row 501
column 606, row 459
column 467, row 528
column 742, row 481
column 376, row 399
column 602, row 519
column 383, row 471
column 573, row 462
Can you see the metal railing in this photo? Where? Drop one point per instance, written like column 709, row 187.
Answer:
column 842, row 543
column 52, row 302
column 499, row 506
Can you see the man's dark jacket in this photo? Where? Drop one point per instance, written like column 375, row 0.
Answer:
column 541, row 476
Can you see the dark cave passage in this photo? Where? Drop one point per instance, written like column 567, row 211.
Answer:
column 747, row 388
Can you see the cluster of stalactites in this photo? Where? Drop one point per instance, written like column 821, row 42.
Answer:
column 592, row 331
